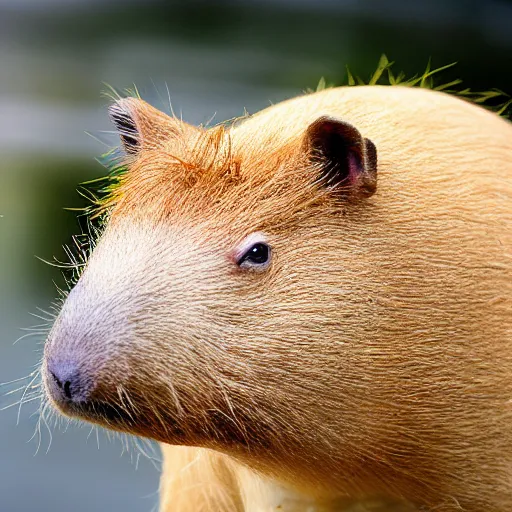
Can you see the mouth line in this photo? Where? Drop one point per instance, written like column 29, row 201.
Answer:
column 102, row 413
column 119, row 419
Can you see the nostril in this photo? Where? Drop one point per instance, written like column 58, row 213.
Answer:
column 56, row 379
column 69, row 383
column 67, row 389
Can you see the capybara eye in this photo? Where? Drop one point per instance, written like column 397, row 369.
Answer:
column 257, row 257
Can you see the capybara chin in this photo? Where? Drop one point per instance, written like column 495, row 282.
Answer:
column 310, row 308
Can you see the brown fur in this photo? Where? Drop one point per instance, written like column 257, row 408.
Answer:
column 371, row 361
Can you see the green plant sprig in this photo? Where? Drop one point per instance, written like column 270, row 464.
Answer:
column 493, row 99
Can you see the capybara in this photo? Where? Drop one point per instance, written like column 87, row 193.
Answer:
column 310, row 308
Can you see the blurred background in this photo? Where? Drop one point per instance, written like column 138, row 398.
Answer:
column 213, row 58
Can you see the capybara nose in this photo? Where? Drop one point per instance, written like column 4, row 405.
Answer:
column 67, row 383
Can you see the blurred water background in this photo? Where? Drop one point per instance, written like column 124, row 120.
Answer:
column 214, row 58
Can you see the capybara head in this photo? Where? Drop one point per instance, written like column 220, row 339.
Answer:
column 202, row 313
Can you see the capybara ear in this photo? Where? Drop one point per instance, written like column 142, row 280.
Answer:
column 141, row 126
column 348, row 161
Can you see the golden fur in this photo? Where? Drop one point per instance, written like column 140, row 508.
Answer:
column 372, row 361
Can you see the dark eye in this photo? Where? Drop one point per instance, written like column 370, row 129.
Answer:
column 257, row 257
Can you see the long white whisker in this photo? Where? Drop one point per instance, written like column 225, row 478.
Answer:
column 28, row 335
column 18, row 380
column 12, row 392
column 49, row 432
column 40, row 327
column 49, row 320
column 46, row 313
column 37, row 431
column 26, row 401
column 23, row 396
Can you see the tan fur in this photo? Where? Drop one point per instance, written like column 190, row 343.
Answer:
column 371, row 363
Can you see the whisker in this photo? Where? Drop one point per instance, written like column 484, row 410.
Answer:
column 121, row 392
column 47, row 428
column 23, row 396
column 20, row 403
column 147, row 449
column 37, row 432
column 45, row 312
column 49, row 320
column 14, row 391
column 18, row 380
column 176, row 399
column 40, row 327
column 28, row 335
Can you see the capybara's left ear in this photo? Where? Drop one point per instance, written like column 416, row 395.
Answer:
column 142, row 126
column 348, row 161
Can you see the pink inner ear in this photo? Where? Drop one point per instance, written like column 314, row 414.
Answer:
column 354, row 168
